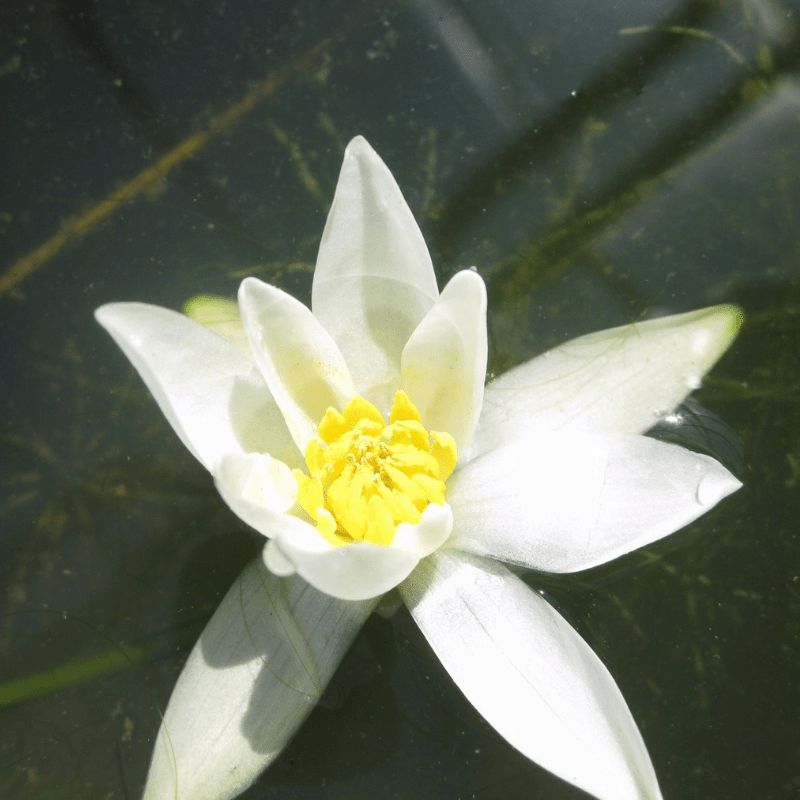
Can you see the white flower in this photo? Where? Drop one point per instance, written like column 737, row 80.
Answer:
column 552, row 474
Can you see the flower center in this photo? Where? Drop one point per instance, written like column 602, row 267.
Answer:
column 366, row 477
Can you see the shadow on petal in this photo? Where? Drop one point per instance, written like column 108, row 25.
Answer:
column 259, row 425
column 256, row 673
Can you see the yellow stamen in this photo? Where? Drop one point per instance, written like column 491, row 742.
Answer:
column 444, row 451
column 366, row 477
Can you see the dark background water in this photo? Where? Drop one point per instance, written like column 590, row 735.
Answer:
column 597, row 162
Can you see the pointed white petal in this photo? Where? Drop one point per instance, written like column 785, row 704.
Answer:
column 444, row 362
column 300, row 362
column 216, row 400
column 623, row 379
column 530, row 675
column 567, row 502
column 374, row 279
column 255, row 674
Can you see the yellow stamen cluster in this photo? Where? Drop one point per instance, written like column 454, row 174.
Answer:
column 366, row 477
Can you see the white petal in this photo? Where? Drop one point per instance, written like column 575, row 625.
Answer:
column 444, row 362
column 374, row 279
column 361, row 570
column 300, row 362
column 354, row 572
column 213, row 397
column 258, row 489
column 255, row 674
column 275, row 561
column 429, row 534
column 530, row 675
column 622, row 379
column 567, row 502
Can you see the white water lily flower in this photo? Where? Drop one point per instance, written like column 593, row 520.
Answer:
column 334, row 433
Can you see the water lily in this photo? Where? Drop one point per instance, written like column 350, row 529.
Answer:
column 358, row 437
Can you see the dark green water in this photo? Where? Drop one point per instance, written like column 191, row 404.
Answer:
column 596, row 163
